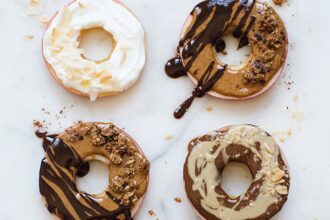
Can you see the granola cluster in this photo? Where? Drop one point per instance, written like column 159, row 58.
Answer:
column 269, row 39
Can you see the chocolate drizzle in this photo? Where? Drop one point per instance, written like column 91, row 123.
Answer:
column 174, row 68
column 204, row 85
column 46, row 138
column 218, row 16
column 244, row 40
column 58, row 171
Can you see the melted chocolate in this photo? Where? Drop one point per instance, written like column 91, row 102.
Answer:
column 220, row 45
column 59, row 169
column 174, row 68
column 46, row 139
column 217, row 14
column 204, row 85
column 244, row 39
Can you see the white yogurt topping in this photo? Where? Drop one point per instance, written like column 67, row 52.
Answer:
column 116, row 74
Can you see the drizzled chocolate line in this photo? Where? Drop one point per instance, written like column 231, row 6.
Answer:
column 57, row 185
column 244, row 40
column 174, row 68
column 220, row 13
column 46, row 138
column 217, row 16
column 204, row 85
column 248, row 8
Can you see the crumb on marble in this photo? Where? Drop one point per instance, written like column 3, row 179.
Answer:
column 40, row 125
column 295, row 98
column 29, row 37
column 178, row 200
column 168, row 137
column 45, row 111
column 209, row 108
column 34, row 7
column 282, row 135
column 297, row 115
column 151, row 213
column 43, row 20
column 279, row 2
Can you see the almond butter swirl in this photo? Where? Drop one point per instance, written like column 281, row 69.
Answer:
column 67, row 156
column 247, row 144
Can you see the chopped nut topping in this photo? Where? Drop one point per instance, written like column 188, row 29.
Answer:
column 267, row 22
column 144, row 166
column 109, row 147
column 116, row 159
column 119, row 184
column 277, row 175
column 268, row 55
column 274, row 39
column 75, row 137
column 129, row 198
column 93, row 130
column 109, row 131
column 129, row 172
column 257, row 67
column 250, row 77
column 130, row 161
column 98, row 140
column 282, row 190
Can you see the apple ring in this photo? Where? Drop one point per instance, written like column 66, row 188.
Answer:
column 67, row 156
column 65, row 60
column 247, row 144
column 252, row 23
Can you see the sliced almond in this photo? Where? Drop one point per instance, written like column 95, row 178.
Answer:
column 282, row 190
column 277, row 175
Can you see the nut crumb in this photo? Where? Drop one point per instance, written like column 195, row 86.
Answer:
column 37, row 124
column 43, row 20
column 34, row 7
column 178, row 200
column 282, row 190
column 29, row 37
column 277, row 175
column 151, row 213
column 168, row 137
column 295, row 98
column 298, row 115
column 283, row 136
column 278, row 2
column 209, row 108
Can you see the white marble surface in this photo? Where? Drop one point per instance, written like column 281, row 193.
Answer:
column 145, row 111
